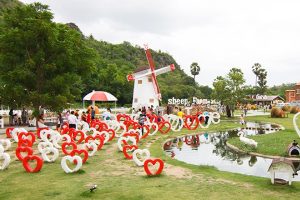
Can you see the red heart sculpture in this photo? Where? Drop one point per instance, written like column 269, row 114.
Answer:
column 153, row 162
column 39, row 130
column 112, row 134
column 8, row 131
column 163, row 124
column 75, row 134
column 39, row 163
column 24, row 143
column 80, row 152
column 126, row 148
column 23, row 149
column 64, row 146
column 93, row 138
column 147, row 131
column 26, row 134
column 191, row 122
column 64, row 131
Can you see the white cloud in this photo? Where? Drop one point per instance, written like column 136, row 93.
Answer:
column 217, row 34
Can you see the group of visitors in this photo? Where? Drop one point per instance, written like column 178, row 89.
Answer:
column 17, row 119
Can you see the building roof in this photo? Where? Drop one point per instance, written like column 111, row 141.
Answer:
column 266, row 98
column 282, row 160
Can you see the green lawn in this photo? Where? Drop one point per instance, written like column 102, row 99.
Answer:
column 118, row 178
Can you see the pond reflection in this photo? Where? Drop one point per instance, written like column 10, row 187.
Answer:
column 211, row 150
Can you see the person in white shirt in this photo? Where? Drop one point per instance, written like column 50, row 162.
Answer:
column 72, row 120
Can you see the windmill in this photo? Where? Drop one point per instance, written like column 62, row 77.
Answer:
column 146, row 91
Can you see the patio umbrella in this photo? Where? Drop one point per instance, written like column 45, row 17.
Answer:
column 99, row 96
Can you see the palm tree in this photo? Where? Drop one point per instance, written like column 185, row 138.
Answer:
column 256, row 70
column 195, row 69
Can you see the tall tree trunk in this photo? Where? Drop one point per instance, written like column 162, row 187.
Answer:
column 228, row 111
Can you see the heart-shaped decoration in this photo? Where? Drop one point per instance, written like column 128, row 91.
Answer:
column 140, row 155
column 164, row 127
column 6, row 160
column 207, row 119
column 91, row 148
column 27, row 136
column 39, row 163
column 1, row 149
column 127, row 149
column 81, row 134
column 125, row 141
column 103, row 134
column 20, row 150
column 8, row 132
column 5, row 143
column 145, row 131
column 153, row 128
column 97, row 139
column 25, row 143
column 43, row 145
column 15, row 132
column 80, row 152
column 48, row 150
column 132, row 133
column 56, row 139
column 111, row 133
column 71, row 159
column 176, row 122
column 191, row 122
column 38, row 132
column 47, row 135
column 153, row 162
column 65, row 145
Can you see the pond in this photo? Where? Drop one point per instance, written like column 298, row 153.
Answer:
column 211, row 150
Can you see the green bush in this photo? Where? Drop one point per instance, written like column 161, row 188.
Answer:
column 294, row 110
column 286, row 108
column 277, row 113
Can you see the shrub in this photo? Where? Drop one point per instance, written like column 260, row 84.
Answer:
column 277, row 113
column 294, row 110
column 286, row 108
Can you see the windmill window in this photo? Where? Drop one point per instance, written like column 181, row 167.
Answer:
column 149, row 79
column 298, row 91
column 151, row 100
column 140, row 81
column 135, row 100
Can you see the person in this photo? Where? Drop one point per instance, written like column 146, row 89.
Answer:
column 76, row 113
column 180, row 114
column 40, row 123
column 72, row 120
column 107, row 114
column 242, row 120
column 149, row 112
column 141, row 120
column 93, row 113
column 24, row 116
column 83, row 116
column 11, row 117
column 245, row 110
column 60, row 122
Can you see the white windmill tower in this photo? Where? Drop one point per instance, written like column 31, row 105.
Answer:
column 146, row 90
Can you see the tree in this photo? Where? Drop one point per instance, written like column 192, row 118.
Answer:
column 195, row 69
column 229, row 90
column 260, row 78
column 41, row 62
column 255, row 69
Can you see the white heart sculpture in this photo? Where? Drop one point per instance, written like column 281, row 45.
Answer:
column 113, row 124
column 43, row 145
column 45, row 133
column 144, row 154
column 127, row 139
column 176, row 122
column 85, row 126
column 6, row 160
column 92, row 145
column 295, row 123
column 16, row 132
column 65, row 166
column 56, row 139
column 47, row 151
column 1, row 149
column 139, row 131
column 155, row 130
column 5, row 143
column 215, row 117
column 121, row 131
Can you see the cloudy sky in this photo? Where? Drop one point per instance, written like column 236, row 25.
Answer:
column 217, row 34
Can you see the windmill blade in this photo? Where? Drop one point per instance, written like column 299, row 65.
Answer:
column 152, row 68
column 165, row 69
column 159, row 71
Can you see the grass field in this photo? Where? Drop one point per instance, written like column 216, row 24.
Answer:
column 118, row 178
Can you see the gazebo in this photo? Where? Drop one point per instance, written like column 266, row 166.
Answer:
column 99, row 96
